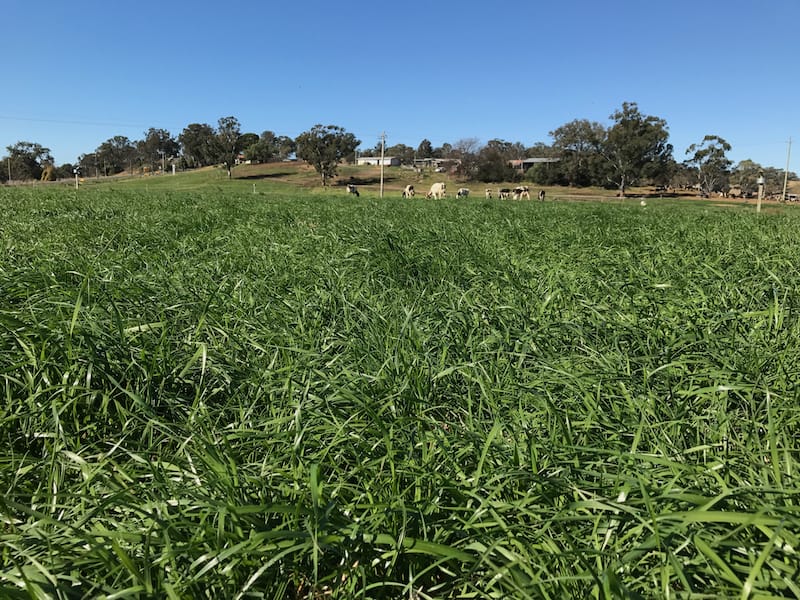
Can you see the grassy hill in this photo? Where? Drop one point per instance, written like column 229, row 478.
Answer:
column 286, row 177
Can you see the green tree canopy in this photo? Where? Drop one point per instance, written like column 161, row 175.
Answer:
column 578, row 145
column 270, row 146
column 425, row 149
column 324, row 146
column 711, row 165
column 198, row 145
column 493, row 161
column 157, row 146
column 635, row 147
column 115, row 154
column 401, row 151
column 26, row 160
column 228, row 142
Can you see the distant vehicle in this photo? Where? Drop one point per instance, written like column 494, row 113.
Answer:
column 791, row 197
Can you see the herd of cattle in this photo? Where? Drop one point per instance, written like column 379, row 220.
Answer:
column 439, row 190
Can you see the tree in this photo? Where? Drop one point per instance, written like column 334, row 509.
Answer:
column 286, row 147
column 425, row 149
column 578, row 144
column 711, row 164
column 115, row 154
column 745, row 175
column 323, row 147
column 199, row 145
column 262, row 150
column 269, row 147
column 228, row 140
column 156, row 147
column 493, row 161
column 403, row 152
column 88, row 164
column 682, row 176
column 443, row 151
column 65, row 171
column 465, row 152
column 26, row 160
column 635, row 147
column 248, row 139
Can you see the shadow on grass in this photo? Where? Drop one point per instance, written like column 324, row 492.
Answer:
column 259, row 176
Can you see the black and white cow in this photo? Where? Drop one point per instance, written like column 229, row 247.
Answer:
column 522, row 191
column 352, row 189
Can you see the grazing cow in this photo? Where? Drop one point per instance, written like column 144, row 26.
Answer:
column 488, row 193
column 438, row 191
column 504, row 193
column 352, row 189
column 541, row 195
column 522, row 191
column 462, row 193
column 408, row 191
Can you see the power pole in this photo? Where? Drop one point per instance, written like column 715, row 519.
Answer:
column 383, row 148
column 786, row 172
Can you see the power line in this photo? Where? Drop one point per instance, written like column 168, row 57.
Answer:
column 70, row 122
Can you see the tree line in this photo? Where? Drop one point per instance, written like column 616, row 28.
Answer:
column 198, row 145
column 633, row 150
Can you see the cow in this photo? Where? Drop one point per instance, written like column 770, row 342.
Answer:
column 521, row 191
column 541, row 195
column 462, row 193
column 408, row 191
column 352, row 189
column 504, row 193
column 488, row 193
column 438, row 191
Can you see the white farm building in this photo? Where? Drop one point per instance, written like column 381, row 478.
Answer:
column 388, row 161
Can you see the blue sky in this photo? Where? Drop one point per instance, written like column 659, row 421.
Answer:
column 77, row 73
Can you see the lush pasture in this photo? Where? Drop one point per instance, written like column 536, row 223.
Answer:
column 220, row 394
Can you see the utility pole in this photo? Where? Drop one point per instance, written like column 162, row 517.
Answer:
column 9, row 168
column 786, row 172
column 383, row 148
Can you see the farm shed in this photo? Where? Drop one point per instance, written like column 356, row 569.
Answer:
column 527, row 163
column 388, row 161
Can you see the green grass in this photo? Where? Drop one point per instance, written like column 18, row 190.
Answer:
column 215, row 393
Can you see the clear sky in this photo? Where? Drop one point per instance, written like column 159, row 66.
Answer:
column 77, row 73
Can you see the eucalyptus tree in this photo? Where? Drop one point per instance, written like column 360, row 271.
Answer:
column 269, row 146
column 198, row 144
column 116, row 154
column 157, row 146
column 229, row 142
column 711, row 164
column 578, row 145
column 324, row 147
column 26, row 160
column 425, row 149
column 635, row 147
column 403, row 152
column 494, row 161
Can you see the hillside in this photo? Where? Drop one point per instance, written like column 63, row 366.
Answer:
column 286, row 176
